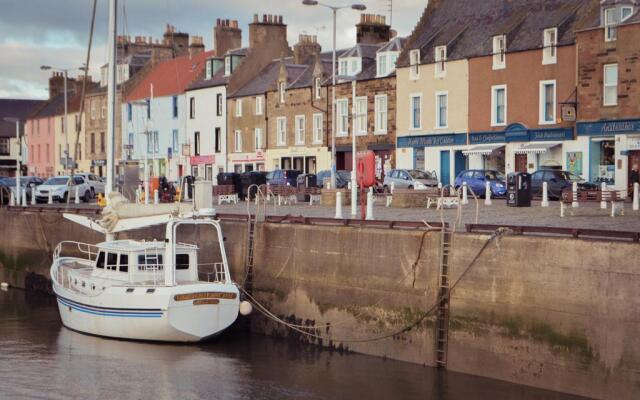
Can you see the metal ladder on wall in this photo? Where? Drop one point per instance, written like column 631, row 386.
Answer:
column 442, row 315
column 252, row 222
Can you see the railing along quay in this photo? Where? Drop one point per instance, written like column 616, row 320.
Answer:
column 582, row 233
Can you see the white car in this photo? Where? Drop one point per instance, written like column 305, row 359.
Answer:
column 61, row 187
column 94, row 182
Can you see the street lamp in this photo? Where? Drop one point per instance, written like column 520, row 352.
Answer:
column 18, row 169
column 354, row 184
column 334, row 9
column 66, row 118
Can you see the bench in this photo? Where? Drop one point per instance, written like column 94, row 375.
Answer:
column 226, row 194
column 569, row 198
column 284, row 194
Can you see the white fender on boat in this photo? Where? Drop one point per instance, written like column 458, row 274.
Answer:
column 5, row 286
column 245, row 308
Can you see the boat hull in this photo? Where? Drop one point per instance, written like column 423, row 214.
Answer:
column 153, row 316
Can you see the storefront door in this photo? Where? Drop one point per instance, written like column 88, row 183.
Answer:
column 521, row 162
column 445, row 167
column 298, row 164
column 310, row 165
column 460, row 162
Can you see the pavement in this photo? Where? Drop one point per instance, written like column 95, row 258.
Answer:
column 587, row 215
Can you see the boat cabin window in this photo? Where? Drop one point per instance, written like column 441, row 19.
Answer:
column 182, row 261
column 149, row 262
column 100, row 262
column 124, row 263
column 112, row 261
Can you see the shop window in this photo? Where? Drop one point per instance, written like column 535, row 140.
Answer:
column 418, row 159
column 602, row 161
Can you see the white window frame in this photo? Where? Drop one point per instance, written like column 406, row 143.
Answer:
column 414, row 64
column 237, row 140
column 208, row 69
column 381, row 114
column 258, row 105
column 494, row 111
column 440, row 57
column 238, row 107
column 317, row 128
column 382, row 65
column 281, row 131
column 610, row 27
column 542, row 103
column 499, row 52
column 361, row 115
column 606, row 85
column 343, row 66
column 439, row 124
column 282, row 90
column 300, row 125
column 227, row 66
column 257, row 138
column 622, row 17
column 550, row 46
column 412, row 125
column 342, row 118
column 318, row 87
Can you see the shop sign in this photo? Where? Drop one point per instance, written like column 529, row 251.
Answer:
column 486, row 137
column 516, row 133
column 608, row 128
column 197, row 160
column 98, row 163
column 541, row 135
column 633, row 143
column 454, row 139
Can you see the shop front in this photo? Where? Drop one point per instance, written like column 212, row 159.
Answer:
column 613, row 149
column 98, row 167
column 436, row 153
column 486, row 150
column 384, row 153
column 247, row 162
column 308, row 160
column 203, row 167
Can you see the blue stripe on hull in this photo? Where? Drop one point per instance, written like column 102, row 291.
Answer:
column 107, row 312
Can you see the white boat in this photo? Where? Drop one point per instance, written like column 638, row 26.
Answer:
column 145, row 290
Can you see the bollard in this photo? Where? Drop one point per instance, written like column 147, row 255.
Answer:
column 393, row 187
column 77, row 199
column 636, row 196
column 561, row 208
column 50, row 201
column 487, row 193
column 439, row 185
column 155, row 196
column 338, row 205
column 11, row 200
column 33, row 196
column 24, row 198
column 603, row 199
column 465, row 198
column 574, row 193
column 545, row 195
column 186, row 190
column 138, row 196
column 370, row 204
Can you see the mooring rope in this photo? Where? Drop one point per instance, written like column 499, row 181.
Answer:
column 304, row 329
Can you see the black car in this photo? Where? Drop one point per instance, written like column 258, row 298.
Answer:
column 342, row 178
column 557, row 182
column 283, row 177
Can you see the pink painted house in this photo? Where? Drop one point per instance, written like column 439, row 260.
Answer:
column 40, row 138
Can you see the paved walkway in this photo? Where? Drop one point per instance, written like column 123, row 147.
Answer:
column 586, row 216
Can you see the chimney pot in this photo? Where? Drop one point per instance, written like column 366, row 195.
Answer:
column 255, row 18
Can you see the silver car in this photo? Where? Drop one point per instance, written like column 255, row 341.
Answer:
column 94, row 182
column 61, row 187
column 410, row 179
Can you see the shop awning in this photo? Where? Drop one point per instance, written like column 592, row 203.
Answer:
column 483, row 149
column 536, row 148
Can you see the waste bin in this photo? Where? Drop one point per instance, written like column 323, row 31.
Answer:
column 519, row 190
column 252, row 178
column 231, row 179
column 305, row 181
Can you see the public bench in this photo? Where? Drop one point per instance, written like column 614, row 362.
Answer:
column 573, row 200
column 226, row 194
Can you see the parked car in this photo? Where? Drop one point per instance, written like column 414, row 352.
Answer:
column 477, row 178
column 557, row 181
column 342, row 178
column 27, row 184
column 283, row 177
column 61, row 187
column 95, row 183
column 409, row 179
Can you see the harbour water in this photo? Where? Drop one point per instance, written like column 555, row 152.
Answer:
column 40, row 359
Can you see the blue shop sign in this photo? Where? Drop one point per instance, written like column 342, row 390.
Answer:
column 519, row 133
column 516, row 133
column 453, row 139
column 545, row 135
column 486, row 137
column 608, row 128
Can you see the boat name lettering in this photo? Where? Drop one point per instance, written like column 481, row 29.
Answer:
column 201, row 302
column 204, row 295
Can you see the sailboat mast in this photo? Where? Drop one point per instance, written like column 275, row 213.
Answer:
column 111, row 95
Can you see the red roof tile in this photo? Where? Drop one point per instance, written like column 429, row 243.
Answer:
column 170, row 77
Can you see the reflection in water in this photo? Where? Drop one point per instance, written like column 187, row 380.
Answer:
column 42, row 359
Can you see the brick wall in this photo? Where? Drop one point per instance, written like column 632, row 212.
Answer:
column 593, row 54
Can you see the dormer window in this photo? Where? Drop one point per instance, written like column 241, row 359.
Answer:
column 349, row 66
column 610, row 23
column 227, row 66
column 499, row 50
column 550, row 50
column 208, row 69
column 343, row 67
column 317, row 85
column 441, row 59
column 381, row 65
column 414, row 64
column 281, row 90
column 627, row 12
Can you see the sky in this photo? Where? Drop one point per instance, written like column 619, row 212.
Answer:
column 56, row 32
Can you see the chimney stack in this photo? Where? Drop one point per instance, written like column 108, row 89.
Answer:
column 372, row 29
column 270, row 28
column 196, row 45
column 226, row 36
column 306, row 49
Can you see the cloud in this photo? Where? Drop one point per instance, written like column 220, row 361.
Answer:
column 57, row 34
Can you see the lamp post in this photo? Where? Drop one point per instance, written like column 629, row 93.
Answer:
column 18, row 169
column 354, row 183
column 334, row 9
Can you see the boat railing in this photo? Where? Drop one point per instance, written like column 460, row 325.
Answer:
column 212, row 272
column 88, row 251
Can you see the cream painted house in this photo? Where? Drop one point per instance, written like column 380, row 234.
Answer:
column 432, row 112
column 83, row 164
